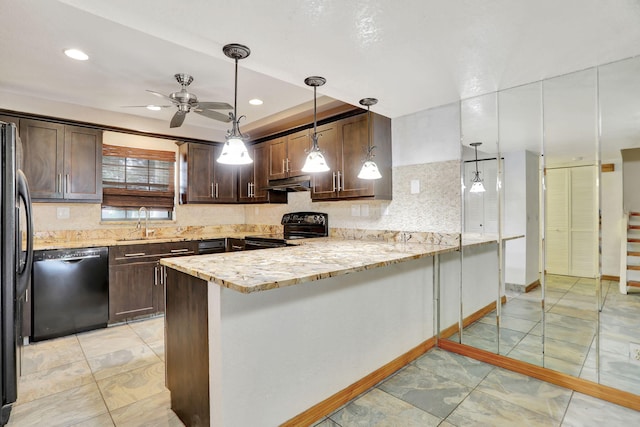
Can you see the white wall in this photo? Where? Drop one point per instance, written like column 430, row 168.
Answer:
column 611, row 210
column 521, row 216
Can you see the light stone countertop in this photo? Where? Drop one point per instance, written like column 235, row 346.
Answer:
column 312, row 259
column 45, row 244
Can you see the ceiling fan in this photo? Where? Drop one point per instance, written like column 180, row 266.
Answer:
column 187, row 102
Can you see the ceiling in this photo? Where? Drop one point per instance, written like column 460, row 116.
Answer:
column 411, row 55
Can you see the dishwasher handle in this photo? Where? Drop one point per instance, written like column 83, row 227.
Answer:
column 70, row 260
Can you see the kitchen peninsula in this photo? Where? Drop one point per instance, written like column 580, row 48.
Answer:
column 256, row 338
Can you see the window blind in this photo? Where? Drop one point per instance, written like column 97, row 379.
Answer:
column 135, row 177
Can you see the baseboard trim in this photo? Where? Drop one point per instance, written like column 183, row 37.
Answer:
column 612, row 278
column 472, row 318
column 327, row 406
column 531, row 286
column 590, row 388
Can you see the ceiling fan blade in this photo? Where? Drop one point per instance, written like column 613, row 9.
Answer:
column 214, row 106
column 177, row 119
column 214, row 115
column 144, row 106
column 163, row 96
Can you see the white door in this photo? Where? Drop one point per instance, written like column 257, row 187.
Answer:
column 571, row 227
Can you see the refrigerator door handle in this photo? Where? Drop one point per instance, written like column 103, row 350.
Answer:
column 24, row 273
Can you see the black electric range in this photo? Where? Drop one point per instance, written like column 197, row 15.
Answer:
column 296, row 225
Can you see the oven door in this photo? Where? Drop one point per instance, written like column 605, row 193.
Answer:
column 251, row 244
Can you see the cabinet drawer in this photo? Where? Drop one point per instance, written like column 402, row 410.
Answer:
column 149, row 252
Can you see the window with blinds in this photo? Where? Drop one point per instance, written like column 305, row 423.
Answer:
column 135, row 177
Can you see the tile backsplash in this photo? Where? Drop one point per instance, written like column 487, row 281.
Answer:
column 434, row 208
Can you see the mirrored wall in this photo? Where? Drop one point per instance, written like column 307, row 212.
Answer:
column 550, row 177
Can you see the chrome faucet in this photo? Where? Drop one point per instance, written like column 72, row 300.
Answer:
column 146, row 220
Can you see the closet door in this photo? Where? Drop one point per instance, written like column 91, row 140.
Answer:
column 583, row 233
column 557, row 233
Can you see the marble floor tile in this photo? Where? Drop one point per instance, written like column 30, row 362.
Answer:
column 458, row 368
column 377, row 408
column 158, row 348
column 103, row 420
column 151, row 330
column 152, row 411
column 481, row 409
column 120, row 361
column 66, row 408
column 574, row 312
column 51, row 353
column 587, row 411
column 126, row 388
column 328, row 422
column 539, row 396
column 426, row 390
column 53, row 380
column 108, row 340
column 580, row 336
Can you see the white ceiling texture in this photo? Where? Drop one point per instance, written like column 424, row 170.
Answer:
column 410, row 54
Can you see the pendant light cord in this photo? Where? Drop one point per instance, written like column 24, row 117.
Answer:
column 315, row 132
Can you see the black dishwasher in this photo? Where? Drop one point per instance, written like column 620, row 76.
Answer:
column 70, row 291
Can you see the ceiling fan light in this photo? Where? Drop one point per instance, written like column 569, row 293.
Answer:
column 154, row 107
column 234, row 152
column 369, row 171
column 315, row 162
column 76, row 54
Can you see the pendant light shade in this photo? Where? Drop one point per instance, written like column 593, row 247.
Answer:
column 235, row 151
column 315, row 161
column 476, row 182
column 369, row 168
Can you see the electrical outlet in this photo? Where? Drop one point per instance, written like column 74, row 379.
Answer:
column 634, row 352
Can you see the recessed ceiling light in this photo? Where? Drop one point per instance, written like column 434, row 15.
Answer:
column 255, row 101
column 154, row 108
column 76, row 54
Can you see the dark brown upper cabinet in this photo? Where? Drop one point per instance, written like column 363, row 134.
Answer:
column 202, row 179
column 344, row 144
column 62, row 162
column 254, row 178
column 287, row 155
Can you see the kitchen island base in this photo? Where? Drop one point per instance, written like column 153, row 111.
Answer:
column 260, row 359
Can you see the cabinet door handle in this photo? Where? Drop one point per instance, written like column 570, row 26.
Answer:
column 284, row 165
column 163, row 274
column 288, row 170
column 136, row 254
column 339, row 182
column 67, row 184
column 155, row 275
column 177, row 251
column 59, row 184
column 216, row 187
column 334, row 182
column 248, row 189
column 212, row 196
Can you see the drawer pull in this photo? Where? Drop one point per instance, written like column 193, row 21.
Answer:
column 177, row 251
column 136, row 254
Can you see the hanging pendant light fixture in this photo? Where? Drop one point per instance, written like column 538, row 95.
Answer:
column 315, row 160
column 235, row 151
column 476, row 182
column 369, row 168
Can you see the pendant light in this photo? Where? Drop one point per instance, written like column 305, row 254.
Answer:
column 315, row 160
column 476, row 182
column 369, row 168
column 235, row 151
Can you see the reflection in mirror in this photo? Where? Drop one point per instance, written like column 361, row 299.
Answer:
column 571, row 223
column 520, row 118
column 480, row 284
column 619, row 89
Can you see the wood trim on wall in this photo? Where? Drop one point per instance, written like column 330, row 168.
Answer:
column 612, row 278
column 608, row 167
column 531, row 286
column 327, row 406
column 472, row 318
column 590, row 388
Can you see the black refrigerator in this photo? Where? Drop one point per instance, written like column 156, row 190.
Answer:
column 16, row 259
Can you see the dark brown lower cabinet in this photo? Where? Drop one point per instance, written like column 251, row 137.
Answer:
column 187, row 347
column 136, row 282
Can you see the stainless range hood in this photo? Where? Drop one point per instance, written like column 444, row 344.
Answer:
column 297, row 183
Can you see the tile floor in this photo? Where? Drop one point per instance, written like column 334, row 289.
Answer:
column 115, row 376
column 107, row 377
column 571, row 323
column 447, row 389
